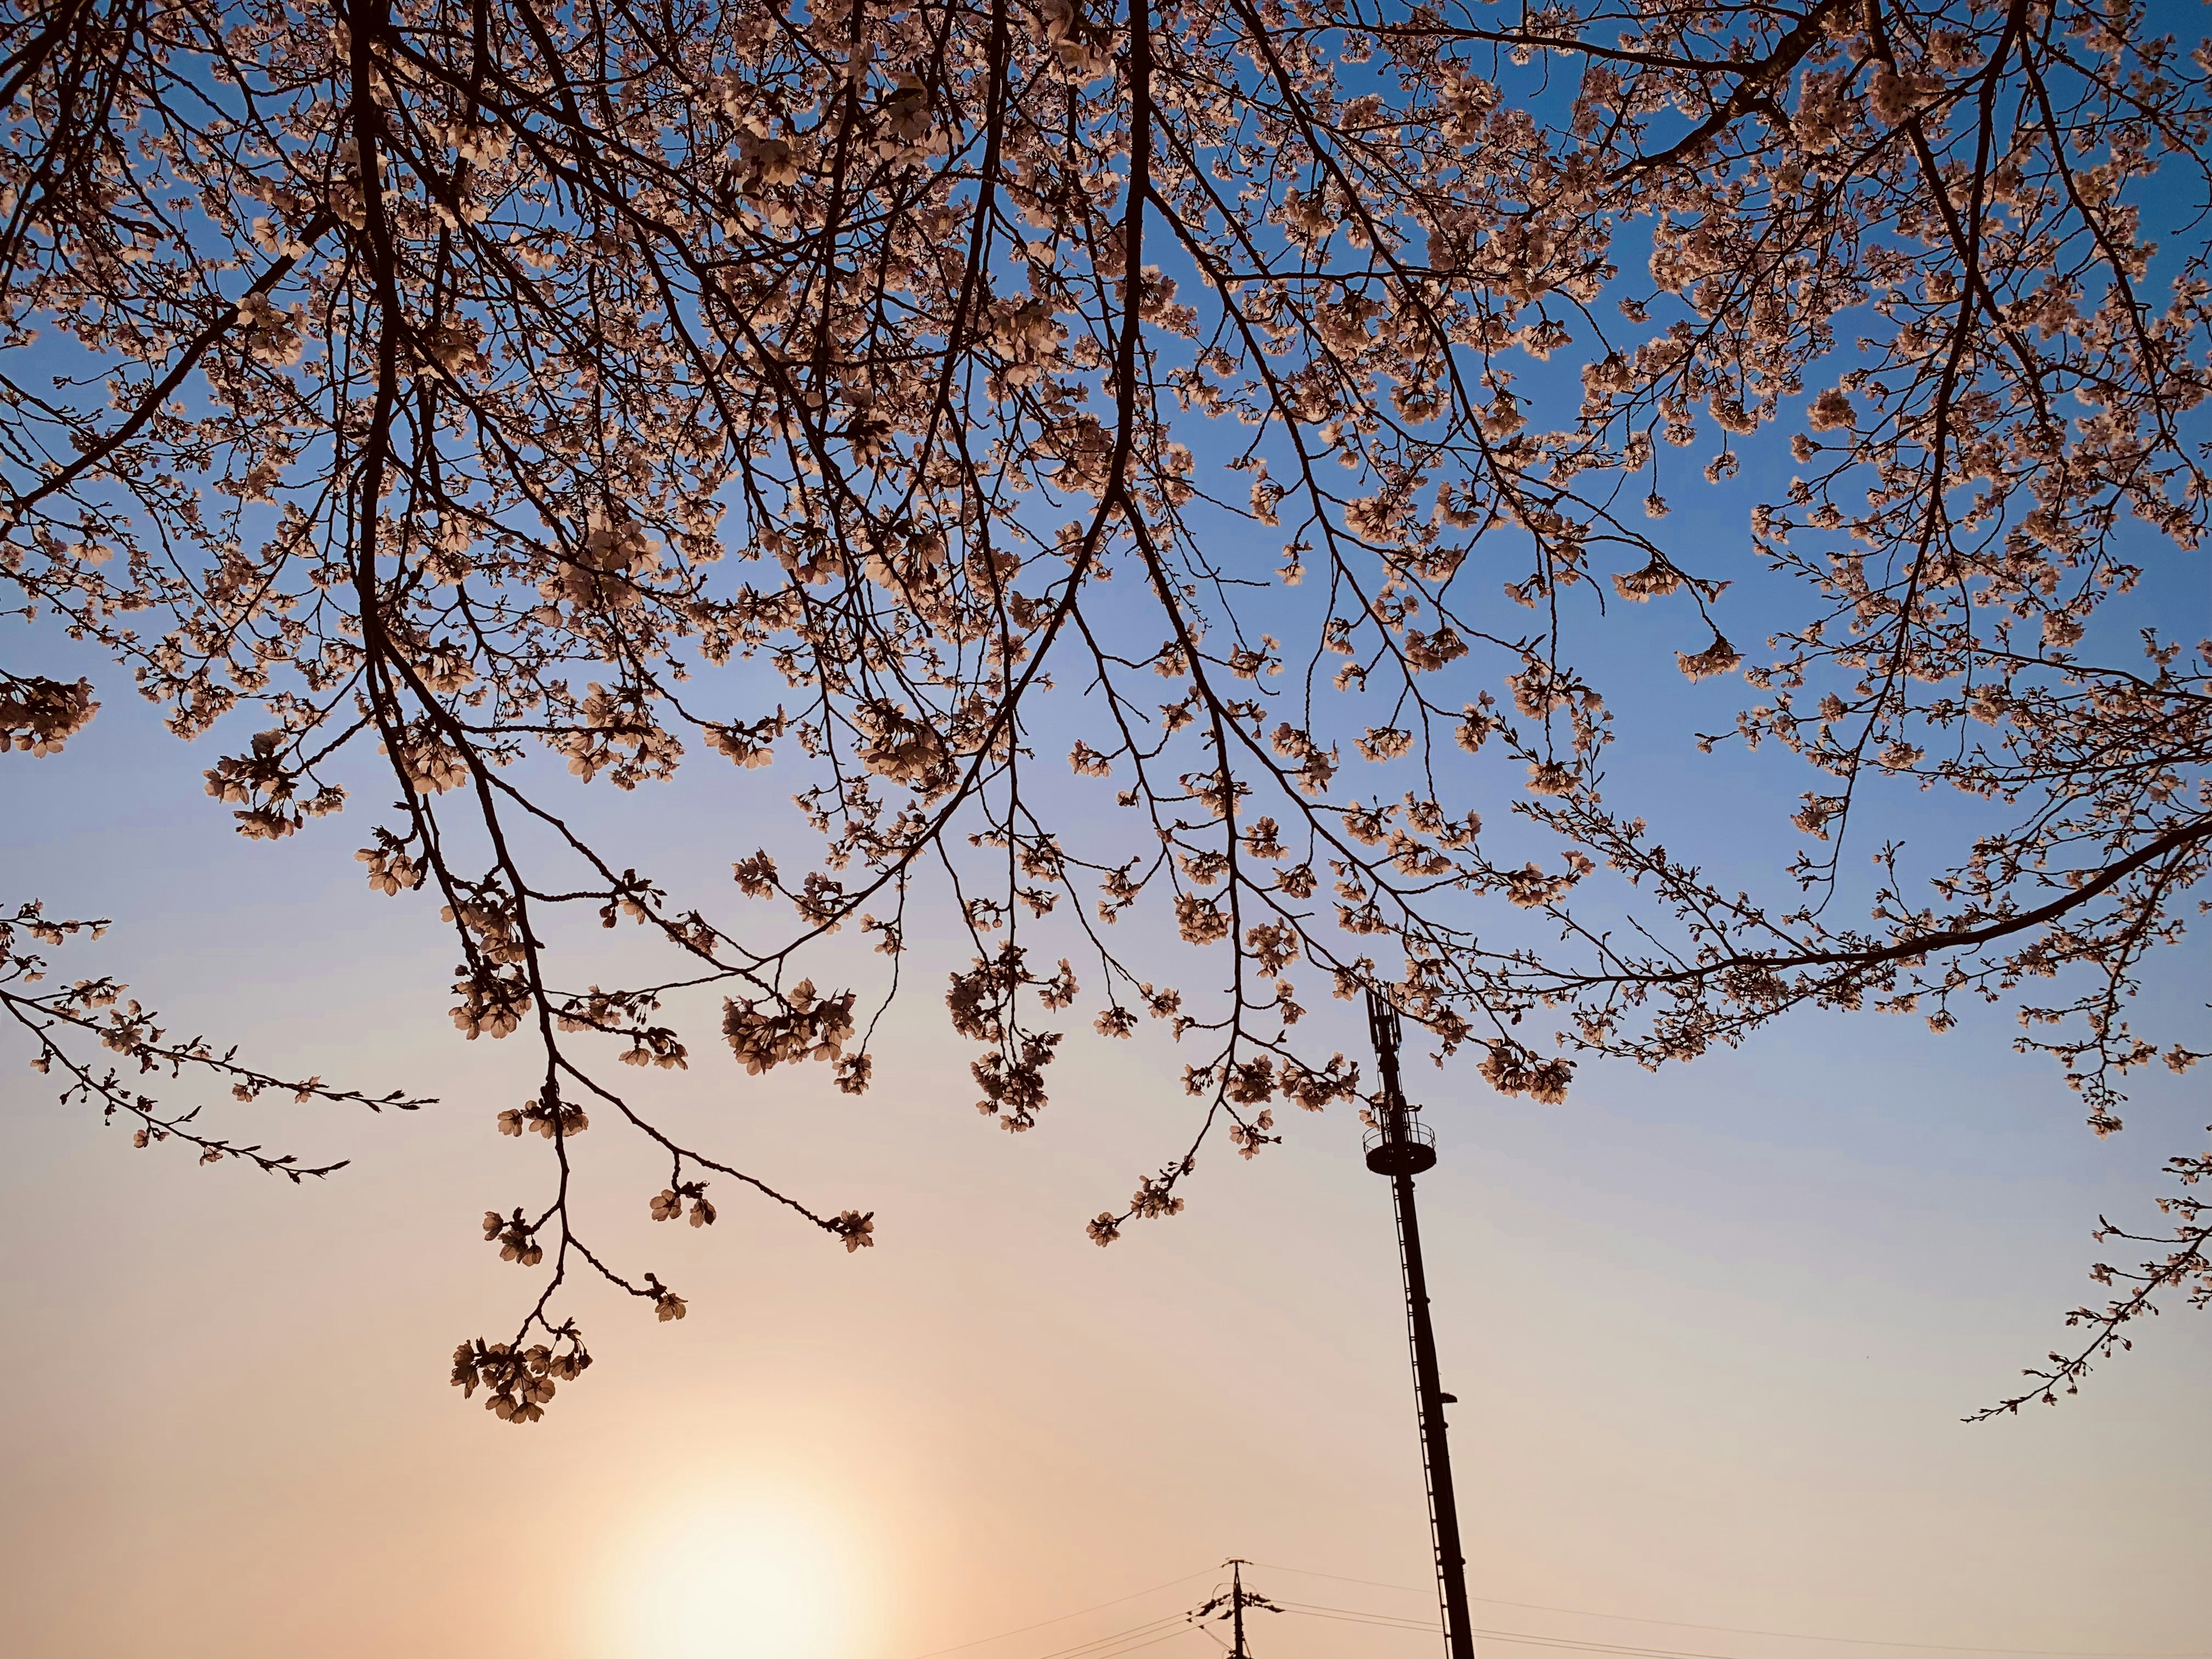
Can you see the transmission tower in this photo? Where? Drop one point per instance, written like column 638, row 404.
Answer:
column 1401, row 1147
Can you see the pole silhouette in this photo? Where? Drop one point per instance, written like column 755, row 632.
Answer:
column 1231, row 1606
column 1401, row 1148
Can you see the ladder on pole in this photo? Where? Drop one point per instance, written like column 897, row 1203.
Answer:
column 1402, row 1148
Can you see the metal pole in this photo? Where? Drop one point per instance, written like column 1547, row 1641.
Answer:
column 1399, row 1153
column 1236, row 1607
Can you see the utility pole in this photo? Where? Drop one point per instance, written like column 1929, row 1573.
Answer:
column 1402, row 1148
column 1231, row 1607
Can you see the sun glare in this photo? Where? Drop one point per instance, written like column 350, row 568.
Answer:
column 746, row 1578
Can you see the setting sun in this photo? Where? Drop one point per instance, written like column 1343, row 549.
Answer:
column 759, row 1577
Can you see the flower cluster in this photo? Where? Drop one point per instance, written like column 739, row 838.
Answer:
column 800, row 1023
column 40, row 714
column 850, row 389
column 670, row 1202
column 518, row 1382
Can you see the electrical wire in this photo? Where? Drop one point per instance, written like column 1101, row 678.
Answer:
column 1357, row 1616
column 1162, row 1627
column 1061, row 1618
column 1155, row 1631
column 1511, row 1637
column 1375, row 1584
column 1162, row 1637
column 1739, row 1630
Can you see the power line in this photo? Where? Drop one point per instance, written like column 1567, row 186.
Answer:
column 1165, row 1627
column 1163, row 1637
column 1856, row 1641
column 1377, row 1583
column 1522, row 1639
column 1511, row 1637
column 1354, row 1616
column 1154, row 1631
column 1061, row 1618
column 1741, row 1630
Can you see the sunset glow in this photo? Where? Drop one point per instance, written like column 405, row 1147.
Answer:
column 1105, row 829
column 761, row 1577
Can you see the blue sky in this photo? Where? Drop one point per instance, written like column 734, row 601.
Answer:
column 1711, row 1330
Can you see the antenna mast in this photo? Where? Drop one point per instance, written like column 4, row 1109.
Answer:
column 1402, row 1148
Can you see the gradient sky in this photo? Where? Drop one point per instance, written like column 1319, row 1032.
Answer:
column 1711, row 1331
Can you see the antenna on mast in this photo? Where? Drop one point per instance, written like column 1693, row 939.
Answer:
column 1401, row 1148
